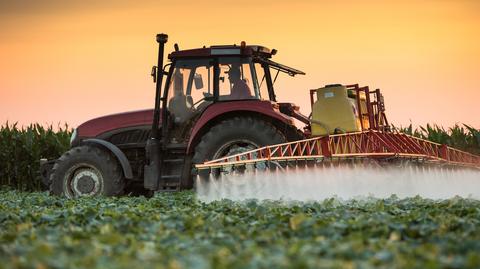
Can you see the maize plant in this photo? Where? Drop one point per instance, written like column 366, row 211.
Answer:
column 461, row 137
column 21, row 148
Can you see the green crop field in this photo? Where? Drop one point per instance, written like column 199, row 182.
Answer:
column 178, row 231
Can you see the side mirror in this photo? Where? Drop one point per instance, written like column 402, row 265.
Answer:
column 198, row 80
column 154, row 74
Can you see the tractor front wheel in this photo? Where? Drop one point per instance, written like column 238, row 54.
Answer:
column 86, row 171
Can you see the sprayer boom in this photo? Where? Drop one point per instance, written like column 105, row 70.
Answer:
column 374, row 145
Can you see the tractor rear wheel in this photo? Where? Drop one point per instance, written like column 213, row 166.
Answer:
column 234, row 136
column 86, row 171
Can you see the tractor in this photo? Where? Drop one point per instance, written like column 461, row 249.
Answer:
column 216, row 101
column 218, row 114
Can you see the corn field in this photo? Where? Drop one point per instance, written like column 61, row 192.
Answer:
column 464, row 137
column 22, row 148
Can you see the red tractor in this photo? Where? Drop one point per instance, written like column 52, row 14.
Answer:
column 216, row 102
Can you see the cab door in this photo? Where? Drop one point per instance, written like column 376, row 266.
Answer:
column 189, row 93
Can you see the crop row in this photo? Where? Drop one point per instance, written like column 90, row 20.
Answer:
column 22, row 148
column 178, row 231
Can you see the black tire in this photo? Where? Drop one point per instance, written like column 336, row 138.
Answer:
column 259, row 132
column 77, row 169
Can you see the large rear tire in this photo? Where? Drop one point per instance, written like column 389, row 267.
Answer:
column 234, row 136
column 86, row 171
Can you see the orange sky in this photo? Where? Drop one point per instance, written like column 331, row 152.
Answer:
column 69, row 61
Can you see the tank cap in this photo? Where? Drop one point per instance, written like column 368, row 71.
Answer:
column 333, row 85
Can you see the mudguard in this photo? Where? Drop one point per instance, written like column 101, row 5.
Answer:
column 232, row 109
column 127, row 169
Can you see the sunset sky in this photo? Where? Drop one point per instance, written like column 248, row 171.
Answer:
column 69, row 61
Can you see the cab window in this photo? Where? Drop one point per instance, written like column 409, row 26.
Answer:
column 190, row 83
column 237, row 81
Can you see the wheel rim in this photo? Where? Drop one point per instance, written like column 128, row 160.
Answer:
column 234, row 147
column 83, row 180
column 229, row 149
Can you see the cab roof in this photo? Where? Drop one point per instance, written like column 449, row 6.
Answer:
column 224, row 50
column 261, row 53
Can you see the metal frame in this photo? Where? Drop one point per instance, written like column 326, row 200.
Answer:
column 365, row 144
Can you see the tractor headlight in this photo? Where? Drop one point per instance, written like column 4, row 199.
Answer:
column 74, row 136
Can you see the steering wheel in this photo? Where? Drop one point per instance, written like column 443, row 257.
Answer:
column 196, row 103
column 205, row 95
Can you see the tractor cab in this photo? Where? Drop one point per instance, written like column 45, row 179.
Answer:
column 216, row 102
column 198, row 78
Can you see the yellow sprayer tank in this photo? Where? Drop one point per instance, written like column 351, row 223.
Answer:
column 335, row 111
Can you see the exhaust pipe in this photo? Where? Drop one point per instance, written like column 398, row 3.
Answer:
column 152, row 169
